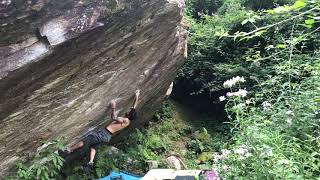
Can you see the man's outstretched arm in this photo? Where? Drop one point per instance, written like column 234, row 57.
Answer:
column 113, row 110
column 113, row 113
column 136, row 98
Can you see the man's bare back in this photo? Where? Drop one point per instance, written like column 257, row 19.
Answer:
column 115, row 126
column 119, row 123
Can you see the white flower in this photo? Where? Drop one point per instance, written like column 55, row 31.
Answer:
column 231, row 82
column 242, row 79
column 248, row 101
column 225, row 152
column 243, row 146
column 238, row 79
column 290, row 113
column 284, row 162
column 289, row 121
column 241, row 93
column 266, row 105
column 222, row 98
column 228, row 84
column 225, row 167
column 241, row 151
column 216, row 157
column 248, row 155
column 239, row 106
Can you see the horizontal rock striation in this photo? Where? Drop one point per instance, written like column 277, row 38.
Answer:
column 61, row 62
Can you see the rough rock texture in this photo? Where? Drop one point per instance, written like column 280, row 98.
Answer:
column 62, row 61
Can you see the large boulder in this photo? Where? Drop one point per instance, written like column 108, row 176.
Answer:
column 62, row 61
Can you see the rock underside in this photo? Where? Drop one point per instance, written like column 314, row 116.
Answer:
column 61, row 62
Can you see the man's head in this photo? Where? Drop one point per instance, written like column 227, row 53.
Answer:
column 131, row 115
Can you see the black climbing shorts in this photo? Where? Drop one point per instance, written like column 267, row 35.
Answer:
column 97, row 137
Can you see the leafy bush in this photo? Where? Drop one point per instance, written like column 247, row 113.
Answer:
column 45, row 165
column 165, row 112
column 276, row 123
column 212, row 59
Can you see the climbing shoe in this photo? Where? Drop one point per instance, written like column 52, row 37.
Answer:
column 64, row 153
column 89, row 168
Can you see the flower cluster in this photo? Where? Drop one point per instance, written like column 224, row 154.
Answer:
column 231, row 82
column 241, row 93
column 221, row 156
column 290, row 115
column 266, row 106
column 222, row 98
column 249, row 101
column 242, row 152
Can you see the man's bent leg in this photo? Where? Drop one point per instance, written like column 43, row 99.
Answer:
column 86, row 142
column 78, row 145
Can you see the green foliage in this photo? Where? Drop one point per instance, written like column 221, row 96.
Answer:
column 45, row 165
column 275, row 120
column 165, row 112
column 200, row 142
column 277, row 127
column 196, row 8
column 213, row 59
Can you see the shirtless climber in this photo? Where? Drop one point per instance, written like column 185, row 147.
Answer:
column 104, row 135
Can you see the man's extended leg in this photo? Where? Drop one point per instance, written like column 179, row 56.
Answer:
column 89, row 167
column 92, row 155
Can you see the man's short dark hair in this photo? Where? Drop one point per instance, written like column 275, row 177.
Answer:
column 132, row 115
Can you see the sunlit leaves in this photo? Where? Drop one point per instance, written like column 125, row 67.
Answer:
column 309, row 23
column 283, row 9
column 221, row 33
column 281, row 46
column 280, row 9
column 251, row 19
column 299, row 4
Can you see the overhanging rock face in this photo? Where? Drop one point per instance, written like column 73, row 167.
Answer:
column 61, row 62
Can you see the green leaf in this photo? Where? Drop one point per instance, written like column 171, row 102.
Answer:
column 299, row 4
column 38, row 172
column 309, row 21
column 46, row 175
column 245, row 22
column 307, row 26
column 282, row 46
column 54, row 161
column 260, row 33
column 317, row 100
column 60, row 162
